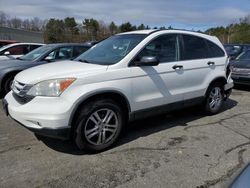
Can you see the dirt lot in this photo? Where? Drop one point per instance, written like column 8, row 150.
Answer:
column 184, row 149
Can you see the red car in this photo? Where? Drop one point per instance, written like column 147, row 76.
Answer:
column 5, row 42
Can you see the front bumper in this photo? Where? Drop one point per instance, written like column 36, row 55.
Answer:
column 241, row 79
column 45, row 116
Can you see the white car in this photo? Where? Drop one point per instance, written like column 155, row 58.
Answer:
column 16, row 50
column 125, row 77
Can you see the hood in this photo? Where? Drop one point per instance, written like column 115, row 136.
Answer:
column 241, row 64
column 61, row 69
column 13, row 63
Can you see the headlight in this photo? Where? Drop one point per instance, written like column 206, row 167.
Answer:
column 50, row 88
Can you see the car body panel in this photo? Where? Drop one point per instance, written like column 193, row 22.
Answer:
column 144, row 87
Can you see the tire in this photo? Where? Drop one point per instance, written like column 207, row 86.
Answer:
column 7, row 84
column 214, row 99
column 98, row 125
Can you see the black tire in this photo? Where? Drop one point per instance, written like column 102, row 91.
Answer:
column 211, row 109
column 84, row 121
column 7, row 84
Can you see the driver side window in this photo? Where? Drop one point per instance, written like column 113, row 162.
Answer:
column 164, row 48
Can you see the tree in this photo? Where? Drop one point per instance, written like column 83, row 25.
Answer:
column 113, row 28
column 3, row 19
column 16, row 22
column 141, row 27
column 26, row 24
column 92, row 27
column 127, row 27
column 71, row 25
column 54, row 31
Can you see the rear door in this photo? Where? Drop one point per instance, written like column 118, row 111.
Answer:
column 201, row 60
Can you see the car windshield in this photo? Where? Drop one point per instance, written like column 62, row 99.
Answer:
column 38, row 52
column 111, row 50
column 244, row 56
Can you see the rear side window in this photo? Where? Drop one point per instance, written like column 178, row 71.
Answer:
column 214, row 50
column 65, row 53
column 193, row 48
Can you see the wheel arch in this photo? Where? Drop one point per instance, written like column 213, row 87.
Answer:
column 220, row 79
column 117, row 96
column 6, row 75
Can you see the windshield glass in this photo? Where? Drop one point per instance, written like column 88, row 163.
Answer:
column 244, row 56
column 38, row 52
column 111, row 50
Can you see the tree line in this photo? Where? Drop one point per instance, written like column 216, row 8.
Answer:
column 68, row 30
column 238, row 32
column 90, row 29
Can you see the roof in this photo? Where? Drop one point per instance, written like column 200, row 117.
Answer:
column 68, row 44
column 148, row 31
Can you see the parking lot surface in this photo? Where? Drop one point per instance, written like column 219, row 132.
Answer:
column 182, row 149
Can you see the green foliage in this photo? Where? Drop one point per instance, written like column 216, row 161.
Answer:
column 113, row 28
column 54, row 31
column 141, row 27
column 71, row 25
column 233, row 33
column 92, row 27
column 127, row 27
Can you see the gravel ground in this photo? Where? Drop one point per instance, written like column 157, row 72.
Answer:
column 182, row 149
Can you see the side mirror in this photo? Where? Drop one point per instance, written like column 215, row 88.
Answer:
column 148, row 61
column 7, row 53
column 49, row 59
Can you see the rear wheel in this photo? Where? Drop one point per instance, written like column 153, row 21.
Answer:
column 214, row 99
column 99, row 125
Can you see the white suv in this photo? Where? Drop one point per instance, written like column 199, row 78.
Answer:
column 127, row 76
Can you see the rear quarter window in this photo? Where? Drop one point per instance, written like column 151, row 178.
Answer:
column 214, row 50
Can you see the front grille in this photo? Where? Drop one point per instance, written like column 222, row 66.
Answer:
column 20, row 92
column 241, row 71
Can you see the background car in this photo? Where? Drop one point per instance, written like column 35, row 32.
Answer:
column 234, row 50
column 6, row 42
column 15, row 50
column 45, row 54
column 241, row 68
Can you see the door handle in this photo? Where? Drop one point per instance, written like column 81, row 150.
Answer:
column 210, row 63
column 177, row 67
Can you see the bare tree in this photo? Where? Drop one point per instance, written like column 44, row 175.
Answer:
column 16, row 22
column 3, row 18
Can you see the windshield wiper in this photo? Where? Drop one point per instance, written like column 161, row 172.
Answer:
column 83, row 60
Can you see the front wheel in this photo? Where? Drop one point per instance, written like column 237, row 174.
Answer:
column 7, row 84
column 98, row 125
column 214, row 99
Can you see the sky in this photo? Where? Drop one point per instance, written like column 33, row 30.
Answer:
column 183, row 14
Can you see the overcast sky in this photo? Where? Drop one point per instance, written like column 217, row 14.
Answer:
column 188, row 14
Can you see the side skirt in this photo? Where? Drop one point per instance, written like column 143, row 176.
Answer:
column 149, row 112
